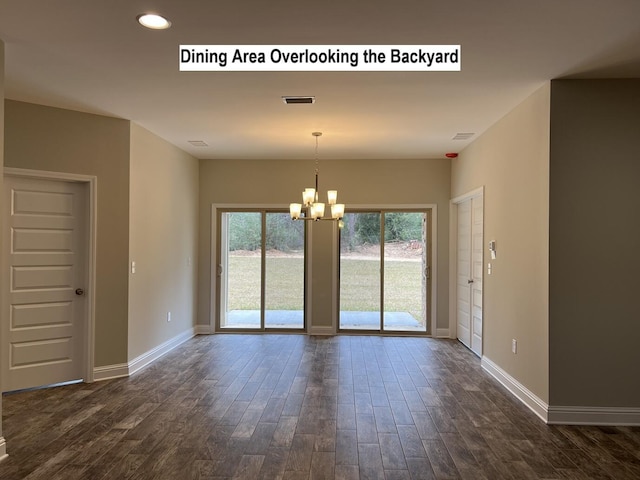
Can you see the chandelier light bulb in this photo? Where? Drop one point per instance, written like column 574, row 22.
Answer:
column 308, row 196
column 337, row 211
column 295, row 209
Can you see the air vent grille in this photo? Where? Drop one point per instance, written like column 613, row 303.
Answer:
column 198, row 143
column 463, row 136
column 298, row 100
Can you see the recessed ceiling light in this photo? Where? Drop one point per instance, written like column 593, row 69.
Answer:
column 153, row 21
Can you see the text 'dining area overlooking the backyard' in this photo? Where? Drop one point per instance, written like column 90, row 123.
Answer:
column 383, row 271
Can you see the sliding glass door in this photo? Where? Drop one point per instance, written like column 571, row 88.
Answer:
column 283, row 272
column 260, row 271
column 360, row 268
column 385, row 271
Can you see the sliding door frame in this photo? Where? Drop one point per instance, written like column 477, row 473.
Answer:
column 432, row 293
column 215, row 260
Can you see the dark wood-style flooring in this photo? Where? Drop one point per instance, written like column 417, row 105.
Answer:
column 299, row 407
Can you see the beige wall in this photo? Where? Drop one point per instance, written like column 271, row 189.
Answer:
column 52, row 139
column 594, row 243
column 359, row 182
column 511, row 160
column 163, row 227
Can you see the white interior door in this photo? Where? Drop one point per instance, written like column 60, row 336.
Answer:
column 44, row 274
column 463, row 273
column 477, row 242
column 469, row 271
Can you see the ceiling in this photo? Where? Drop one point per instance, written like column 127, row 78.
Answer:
column 92, row 56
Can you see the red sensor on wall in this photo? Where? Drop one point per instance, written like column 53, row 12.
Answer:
column 451, row 155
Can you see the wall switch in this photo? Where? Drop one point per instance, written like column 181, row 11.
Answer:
column 133, row 267
column 514, row 345
column 169, row 317
column 188, row 261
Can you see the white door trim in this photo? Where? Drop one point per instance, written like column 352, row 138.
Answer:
column 453, row 255
column 92, row 183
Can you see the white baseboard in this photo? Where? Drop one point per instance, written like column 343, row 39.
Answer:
column 110, row 371
column 594, row 416
column 125, row 369
column 563, row 415
column 442, row 333
column 152, row 355
column 204, row 330
column 522, row 393
column 3, row 449
column 322, row 331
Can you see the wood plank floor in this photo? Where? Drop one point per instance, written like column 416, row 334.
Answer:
column 299, row 407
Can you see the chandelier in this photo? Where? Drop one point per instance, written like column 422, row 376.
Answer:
column 311, row 208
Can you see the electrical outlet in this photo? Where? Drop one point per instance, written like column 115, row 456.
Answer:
column 514, row 345
column 168, row 316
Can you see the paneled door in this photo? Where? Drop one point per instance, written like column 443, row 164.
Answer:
column 477, row 241
column 469, row 271
column 463, row 273
column 44, row 276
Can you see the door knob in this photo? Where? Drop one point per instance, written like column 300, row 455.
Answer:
column 470, row 281
column 79, row 291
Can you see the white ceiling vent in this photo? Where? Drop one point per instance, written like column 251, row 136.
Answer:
column 198, row 143
column 298, row 100
column 463, row 136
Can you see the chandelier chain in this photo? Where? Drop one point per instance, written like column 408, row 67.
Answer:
column 317, row 134
column 317, row 163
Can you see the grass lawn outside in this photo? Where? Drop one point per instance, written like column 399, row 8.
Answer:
column 359, row 284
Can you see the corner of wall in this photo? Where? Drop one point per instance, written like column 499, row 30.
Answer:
column 593, row 238
column 163, row 236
